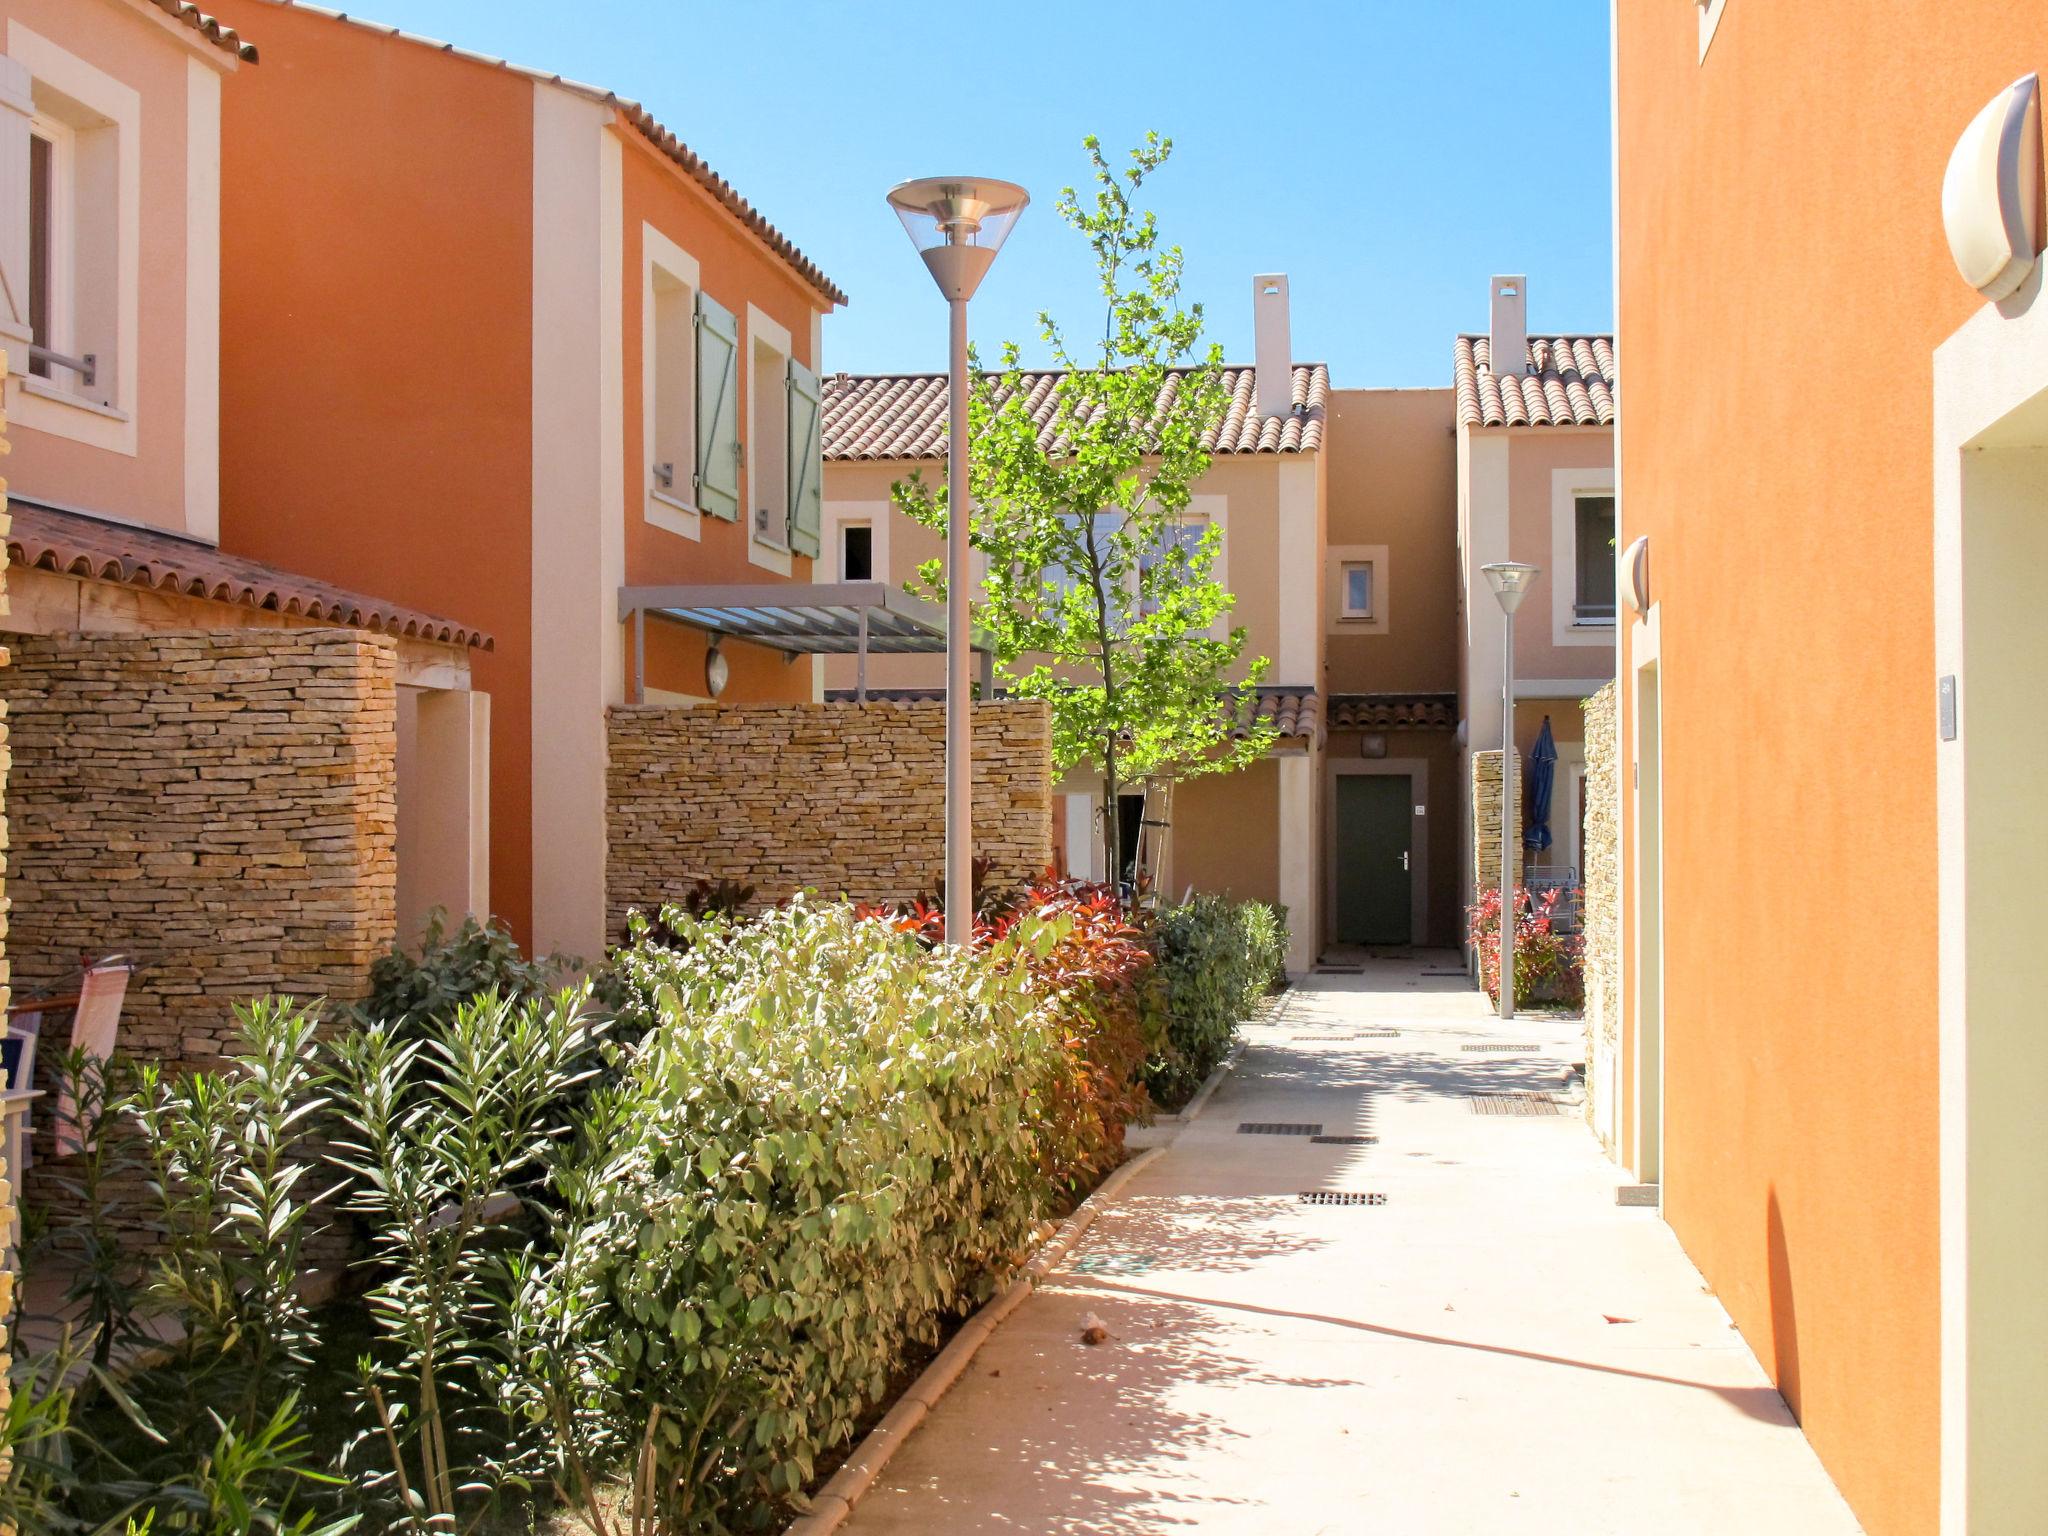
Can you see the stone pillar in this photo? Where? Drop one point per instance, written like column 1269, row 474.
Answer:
column 1486, row 824
column 1298, row 860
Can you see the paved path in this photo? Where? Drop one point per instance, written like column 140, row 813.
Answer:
column 1497, row 1348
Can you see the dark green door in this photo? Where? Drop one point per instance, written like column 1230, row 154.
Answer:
column 1374, row 824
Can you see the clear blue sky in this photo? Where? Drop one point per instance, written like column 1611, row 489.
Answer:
column 1388, row 155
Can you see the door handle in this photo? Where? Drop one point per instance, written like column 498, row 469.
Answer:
column 1404, row 858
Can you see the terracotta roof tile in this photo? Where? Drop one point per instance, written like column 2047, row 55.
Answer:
column 1393, row 711
column 903, row 416
column 72, row 544
column 1567, row 381
column 641, row 119
column 212, row 28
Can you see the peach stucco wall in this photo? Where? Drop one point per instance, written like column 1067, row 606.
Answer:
column 1393, row 476
column 1793, row 179
column 1534, row 455
column 1250, row 486
column 148, row 486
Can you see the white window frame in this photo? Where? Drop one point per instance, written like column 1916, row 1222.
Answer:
column 769, row 547
column 875, row 515
column 45, row 405
column 840, row 530
column 1368, row 610
column 673, row 507
column 1566, row 487
column 1342, row 620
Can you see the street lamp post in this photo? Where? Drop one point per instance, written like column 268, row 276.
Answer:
column 1511, row 582
column 958, row 223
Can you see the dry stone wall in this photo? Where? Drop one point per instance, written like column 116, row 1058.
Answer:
column 841, row 798
column 1486, row 823
column 1602, row 899
column 221, row 805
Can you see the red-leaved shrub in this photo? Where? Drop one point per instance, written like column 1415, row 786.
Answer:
column 1548, row 961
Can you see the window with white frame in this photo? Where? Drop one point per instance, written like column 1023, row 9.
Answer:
column 1358, row 589
column 767, row 437
column 673, row 438
column 1593, row 535
column 856, row 551
column 75, row 270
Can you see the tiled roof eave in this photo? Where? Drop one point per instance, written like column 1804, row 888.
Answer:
column 209, row 27
column 71, row 544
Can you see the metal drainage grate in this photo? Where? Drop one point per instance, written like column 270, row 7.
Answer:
column 1495, row 1046
column 1521, row 1103
column 1345, row 1141
column 1341, row 1197
column 1114, row 1263
column 1277, row 1128
column 1340, row 970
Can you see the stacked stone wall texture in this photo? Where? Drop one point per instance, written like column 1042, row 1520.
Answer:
column 1486, row 823
column 219, row 805
column 839, row 798
column 1602, row 877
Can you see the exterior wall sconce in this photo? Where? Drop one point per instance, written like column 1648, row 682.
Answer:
column 1374, row 745
column 717, row 670
column 1991, row 193
column 1635, row 575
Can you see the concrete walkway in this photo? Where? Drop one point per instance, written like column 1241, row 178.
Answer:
column 1496, row 1348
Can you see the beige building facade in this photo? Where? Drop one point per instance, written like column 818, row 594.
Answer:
column 1354, row 523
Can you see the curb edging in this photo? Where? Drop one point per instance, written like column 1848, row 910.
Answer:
column 832, row 1504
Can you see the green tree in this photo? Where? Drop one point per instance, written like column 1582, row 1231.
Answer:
column 1100, row 595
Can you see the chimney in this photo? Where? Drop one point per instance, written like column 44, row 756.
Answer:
column 1272, row 350
column 1508, row 326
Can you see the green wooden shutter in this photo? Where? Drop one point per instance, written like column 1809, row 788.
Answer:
column 806, row 460
column 718, row 410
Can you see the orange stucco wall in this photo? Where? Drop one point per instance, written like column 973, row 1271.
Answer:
column 732, row 270
column 377, row 247
column 1783, row 282
column 149, row 486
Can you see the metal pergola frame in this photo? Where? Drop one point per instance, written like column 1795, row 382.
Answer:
column 825, row 618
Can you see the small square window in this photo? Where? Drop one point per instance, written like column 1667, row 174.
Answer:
column 856, row 552
column 1358, row 589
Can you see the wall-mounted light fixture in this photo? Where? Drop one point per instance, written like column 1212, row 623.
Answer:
column 717, row 670
column 1635, row 575
column 1991, row 193
column 1374, row 745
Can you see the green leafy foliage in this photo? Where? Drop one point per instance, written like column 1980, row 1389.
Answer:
column 1100, row 594
column 1217, row 958
column 237, row 1190
column 443, row 1159
column 830, row 1140
column 450, row 969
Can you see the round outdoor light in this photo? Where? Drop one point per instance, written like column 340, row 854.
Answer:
column 958, row 223
column 1991, row 192
column 717, row 670
column 1511, row 581
column 1635, row 575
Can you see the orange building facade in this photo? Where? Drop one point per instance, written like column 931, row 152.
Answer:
column 501, row 341
column 1830, row 694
